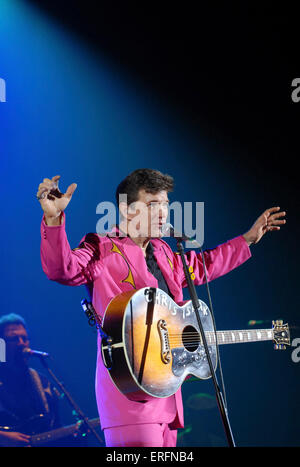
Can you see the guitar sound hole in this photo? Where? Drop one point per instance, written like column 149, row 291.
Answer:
column 190, row 338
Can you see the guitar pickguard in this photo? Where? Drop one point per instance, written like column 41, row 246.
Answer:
column 192, row 362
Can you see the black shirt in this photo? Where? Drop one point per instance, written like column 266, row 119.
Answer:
column 30, row 405
column 152, row 266
column 22, row 399
column 155, row 270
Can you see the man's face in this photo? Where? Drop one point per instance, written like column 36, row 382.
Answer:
column 148, row 214
column 16, row 339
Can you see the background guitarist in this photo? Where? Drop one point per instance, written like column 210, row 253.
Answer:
column 112, row 264
column 27, row 399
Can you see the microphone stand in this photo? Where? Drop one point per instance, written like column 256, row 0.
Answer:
column 71, row 401
column 195, row 302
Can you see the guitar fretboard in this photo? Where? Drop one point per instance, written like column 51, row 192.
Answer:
column 237, row 337
column 58, row 433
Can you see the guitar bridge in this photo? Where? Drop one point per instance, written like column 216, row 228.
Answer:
column 164, row 341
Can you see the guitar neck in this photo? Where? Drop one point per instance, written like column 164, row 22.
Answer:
column 240, row 336
column 37, row 440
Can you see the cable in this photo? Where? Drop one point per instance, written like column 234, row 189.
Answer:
column 215, row 331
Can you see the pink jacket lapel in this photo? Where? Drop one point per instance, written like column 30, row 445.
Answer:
column 166, row 266
column 137, row 262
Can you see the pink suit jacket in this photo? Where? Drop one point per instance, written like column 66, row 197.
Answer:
column 114, row 265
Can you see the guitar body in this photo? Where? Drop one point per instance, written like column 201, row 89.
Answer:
column 156, row 343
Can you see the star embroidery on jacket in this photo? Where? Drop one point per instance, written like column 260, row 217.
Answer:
column 169, row 261
column 129, row 279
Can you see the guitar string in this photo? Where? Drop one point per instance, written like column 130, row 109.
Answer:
column 219, row 339
column 228, row 338
column 195, row 344
column 210, row 333
column 221, row 332
column 221, row 335
column 194, row 338
column 198, row 343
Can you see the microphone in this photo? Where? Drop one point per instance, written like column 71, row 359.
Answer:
column 35, row 353
column 168, row 230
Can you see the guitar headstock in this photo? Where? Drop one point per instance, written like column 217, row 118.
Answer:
column 281, row 334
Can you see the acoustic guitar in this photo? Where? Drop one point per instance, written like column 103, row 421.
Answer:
column 156, row 343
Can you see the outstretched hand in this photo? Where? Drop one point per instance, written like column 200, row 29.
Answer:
column 52, row 200
column 270, row 220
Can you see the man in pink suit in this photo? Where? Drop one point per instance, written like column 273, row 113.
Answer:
column 131, row 257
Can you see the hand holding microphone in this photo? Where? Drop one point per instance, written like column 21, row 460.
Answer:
column 52, row 200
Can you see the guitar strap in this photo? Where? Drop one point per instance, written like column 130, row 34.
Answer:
column 36, row 380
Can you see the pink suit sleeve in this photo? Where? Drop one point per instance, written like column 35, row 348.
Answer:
column 218, row 261
column 62, row 264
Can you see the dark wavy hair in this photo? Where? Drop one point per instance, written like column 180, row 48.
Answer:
column 150, row 180
column 11, row 318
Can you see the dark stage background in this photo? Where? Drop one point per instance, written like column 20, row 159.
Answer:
column 201, row 93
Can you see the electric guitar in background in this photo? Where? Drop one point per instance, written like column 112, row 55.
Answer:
column 37, row 423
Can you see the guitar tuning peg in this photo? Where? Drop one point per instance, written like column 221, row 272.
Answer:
column 279, row 347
